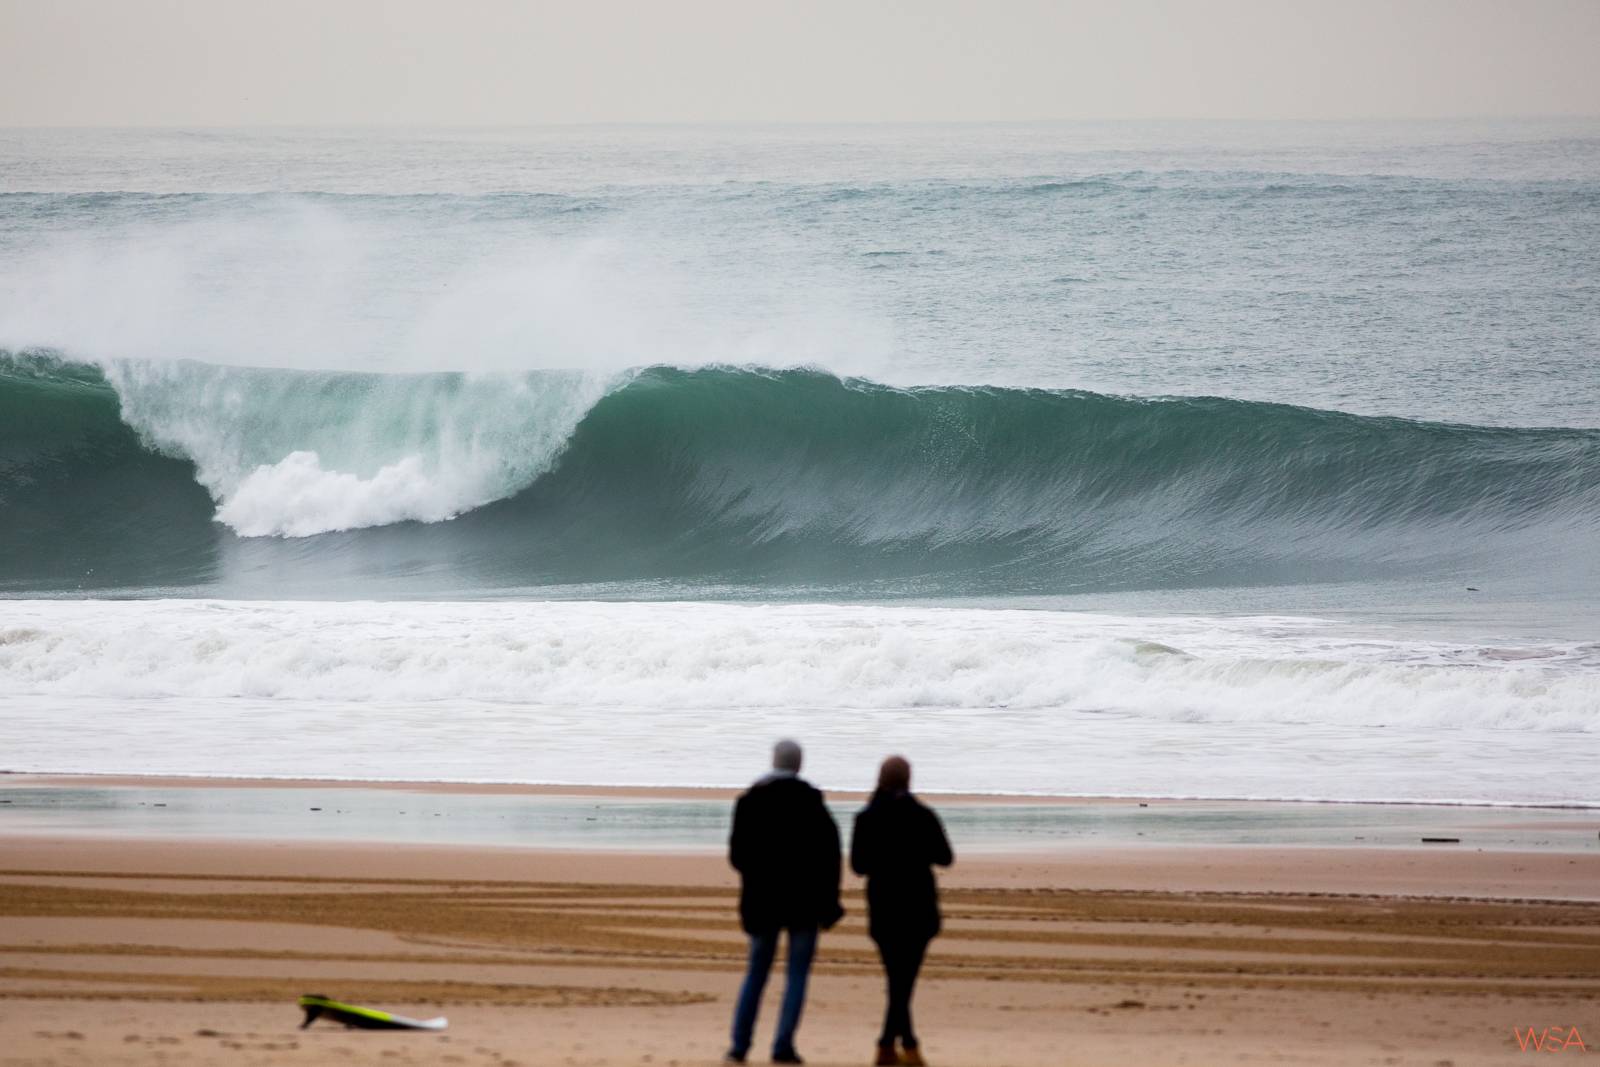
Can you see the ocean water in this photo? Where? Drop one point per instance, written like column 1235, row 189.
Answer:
column 1178, row 459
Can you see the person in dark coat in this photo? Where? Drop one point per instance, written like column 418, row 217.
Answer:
column 785, row 846
column 896, row 843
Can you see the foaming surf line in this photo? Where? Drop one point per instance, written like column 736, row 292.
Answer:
column 821, row 659
column 991, row 700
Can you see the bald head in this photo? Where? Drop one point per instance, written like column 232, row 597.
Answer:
column 786, row 756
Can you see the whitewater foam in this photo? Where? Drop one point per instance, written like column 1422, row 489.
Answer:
column 296, row 497
column 670, row 655
column 294, row 455
column 691, row 694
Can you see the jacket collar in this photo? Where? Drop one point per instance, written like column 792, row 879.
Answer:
column 776, row 775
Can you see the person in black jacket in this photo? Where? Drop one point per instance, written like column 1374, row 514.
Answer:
column 785, row 847
column 896, row 842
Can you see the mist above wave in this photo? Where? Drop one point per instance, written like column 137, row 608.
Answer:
column 413, row 285
column 1417, row 296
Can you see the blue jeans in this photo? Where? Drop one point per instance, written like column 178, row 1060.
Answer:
column 763, row 949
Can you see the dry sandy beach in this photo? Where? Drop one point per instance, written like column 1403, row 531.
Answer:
column 145, row 950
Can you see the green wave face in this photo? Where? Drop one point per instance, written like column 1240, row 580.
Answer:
column 83, row 502
column 189, row 477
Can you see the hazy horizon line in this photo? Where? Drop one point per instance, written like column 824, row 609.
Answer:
column 1256, row 120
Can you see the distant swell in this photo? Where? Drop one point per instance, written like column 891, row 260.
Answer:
column 186, row 476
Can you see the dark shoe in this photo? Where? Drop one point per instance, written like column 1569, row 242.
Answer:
column 886, row 1057
column 788, row 1055
column 911, row 1057
column 733, row 1056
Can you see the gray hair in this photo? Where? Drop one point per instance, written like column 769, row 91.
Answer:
column 786, row 756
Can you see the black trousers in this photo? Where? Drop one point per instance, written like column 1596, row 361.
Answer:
column 902, row 959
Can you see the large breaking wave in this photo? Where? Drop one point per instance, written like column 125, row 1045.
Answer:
column 185, row 475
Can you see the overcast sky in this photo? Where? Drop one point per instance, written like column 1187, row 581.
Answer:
column 450, row 62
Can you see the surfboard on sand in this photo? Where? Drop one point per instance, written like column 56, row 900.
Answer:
column 317, row 1006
